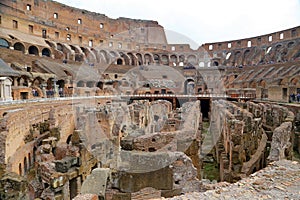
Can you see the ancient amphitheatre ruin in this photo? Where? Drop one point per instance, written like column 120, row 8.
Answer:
column 100, row 108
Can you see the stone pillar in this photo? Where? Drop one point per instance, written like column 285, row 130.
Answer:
column 66, row 190
column 15, row 81
column 78, row 184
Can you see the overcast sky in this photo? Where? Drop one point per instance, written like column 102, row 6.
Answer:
column 202, row 21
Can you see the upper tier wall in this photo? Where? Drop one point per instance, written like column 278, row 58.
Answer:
column 56, row 21
column 261, row 40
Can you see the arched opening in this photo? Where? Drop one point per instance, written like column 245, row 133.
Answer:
column 46, row 52
column 100, row 85
column 90, row 84
column 59, row 47
column 80, row 84
column 201, row 64
column 174, row 60
column 25, row 165
column 126, row 59
column 22, row 81
column 189, row 87
column 215, row 63
column 29, row 160
column 165, row 60
column 69, row 139
column 291, row 44
column 33, row 50
column 119, row 61
column 139, row 59
column 181, row 58
column 156, row 58
column 133, row 60
column 20, row 169
column 19, row 47
column 4, row 43
column 148, row 59
column 192, row 59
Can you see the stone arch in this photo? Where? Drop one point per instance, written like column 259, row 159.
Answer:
column 80, row 83
column 181, row 58
column 189, row 86
column 29, row 160
column 104, row 55
column 133, row 59
column 20, row 169
column 96, row 53
column 18, row 46
column 165, row 59
column 25, row 165
column 37, row 81
column 192, row 59
column 215, row 63
column 139, row 59
column 79, row 55
column 148, row 59
column 4, row 43
column 246, row 57
column 201, row 64
column 33, row 50
column 156, row 58
column 46, row 52
column 100, row 85
column 90, row 84
column 60, row 47
column 119, row 61
column 291, row 44
column 23, row 81
column 126, row 58
column 51, row 44
column 69, row 139
column 174, row 60
column 90, row 56
column 237, row 58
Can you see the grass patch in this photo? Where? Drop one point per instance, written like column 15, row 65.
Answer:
column 211, row 171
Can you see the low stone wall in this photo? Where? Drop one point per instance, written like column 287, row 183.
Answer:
column 242, row 133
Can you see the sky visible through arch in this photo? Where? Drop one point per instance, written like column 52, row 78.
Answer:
column 203, row 21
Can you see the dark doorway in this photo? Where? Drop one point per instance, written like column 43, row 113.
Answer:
column 24, row 95
column 73, row 188
column 205, row 108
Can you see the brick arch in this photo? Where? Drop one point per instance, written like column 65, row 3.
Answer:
column 33, row 50
column 19, row 46
column 174, row 60
column 165, row 59
column 46, row 52
column 192, row 59
column 126, row 58
column 133, row 59
column 140, row 60
column 4, row 43
column 148, row 58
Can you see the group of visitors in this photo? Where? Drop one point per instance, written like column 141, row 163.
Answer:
column 295, row 97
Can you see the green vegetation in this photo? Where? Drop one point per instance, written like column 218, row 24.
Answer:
column 211, row 171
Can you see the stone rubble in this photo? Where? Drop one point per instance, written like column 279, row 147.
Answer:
column 279, row 180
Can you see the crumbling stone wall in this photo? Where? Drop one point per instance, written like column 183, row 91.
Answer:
column 241, row 133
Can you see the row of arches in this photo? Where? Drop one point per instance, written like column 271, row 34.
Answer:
column 26, row 164
column 279, row 52
column 30, row 49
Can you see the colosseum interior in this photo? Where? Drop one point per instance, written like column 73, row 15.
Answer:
column 100, row 108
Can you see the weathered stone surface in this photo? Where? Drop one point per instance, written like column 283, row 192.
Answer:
column 281, row 146
column 279, row 180
column 96, row 182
